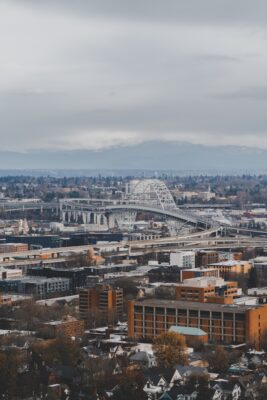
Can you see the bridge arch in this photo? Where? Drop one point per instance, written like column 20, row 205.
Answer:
column 152, row 191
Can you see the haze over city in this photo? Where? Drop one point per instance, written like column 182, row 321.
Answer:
column 101, row 75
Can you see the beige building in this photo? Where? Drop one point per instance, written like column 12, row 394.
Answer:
column 234, row 267
column 6, row 273
column 205, row 289
column 13, row 247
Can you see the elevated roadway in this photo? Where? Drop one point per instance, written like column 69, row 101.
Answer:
column 175, row 214
column 12, row 206
column 132, row 247
column 75, row 207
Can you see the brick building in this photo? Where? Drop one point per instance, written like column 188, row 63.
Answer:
column 204, row 258
column 227, row 324
column 106, row 300
column 13, row 247
column 199, row 273
column 201, row 289
column 69, row 326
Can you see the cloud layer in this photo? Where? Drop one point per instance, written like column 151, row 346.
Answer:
column 99, row 74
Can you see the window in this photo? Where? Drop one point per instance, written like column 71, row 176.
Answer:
column 193, row 313
column 228, row 316
column 160, row 311
column 204, row 314
column 216, row 315
column 240, row 317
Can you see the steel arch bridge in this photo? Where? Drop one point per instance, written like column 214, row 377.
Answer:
column 148, row 195
column 152, row 191
column 172, row 214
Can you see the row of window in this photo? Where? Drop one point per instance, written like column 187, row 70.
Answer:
column 191, row 313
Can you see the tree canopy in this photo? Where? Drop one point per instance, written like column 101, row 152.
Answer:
column 169, row 349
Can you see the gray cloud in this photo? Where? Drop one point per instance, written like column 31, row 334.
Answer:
column 100, row 74
column 251, row 93
column 205, row 11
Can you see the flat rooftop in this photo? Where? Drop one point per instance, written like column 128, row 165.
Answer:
column 13, row 244
column 41, row 279
column 62, row 322
column 31, row 262
column 200, row 269
column 204, row 282
column 207, row 251
column 194, row 305
column 50, row 302
column 230, row 263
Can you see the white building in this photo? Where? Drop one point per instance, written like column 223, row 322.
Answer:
column 10, row 273
column 257, row 291
column 183, row 259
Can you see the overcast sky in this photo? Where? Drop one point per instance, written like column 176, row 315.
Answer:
column 78, row 74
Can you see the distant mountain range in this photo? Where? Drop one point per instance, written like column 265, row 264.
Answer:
column 152, row 156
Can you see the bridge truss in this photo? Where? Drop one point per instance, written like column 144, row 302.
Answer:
column 152, row 192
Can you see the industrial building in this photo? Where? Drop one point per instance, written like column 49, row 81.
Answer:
column 40, row 241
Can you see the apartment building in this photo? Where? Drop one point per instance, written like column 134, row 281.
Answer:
column 205, row 289
column 183, row 259
column 199, row 273
column 43, row 287
column 103, row 298
column 68, row 326
column 234, row 267
column 204, row 258
column 226, row 324
column 77, row 276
